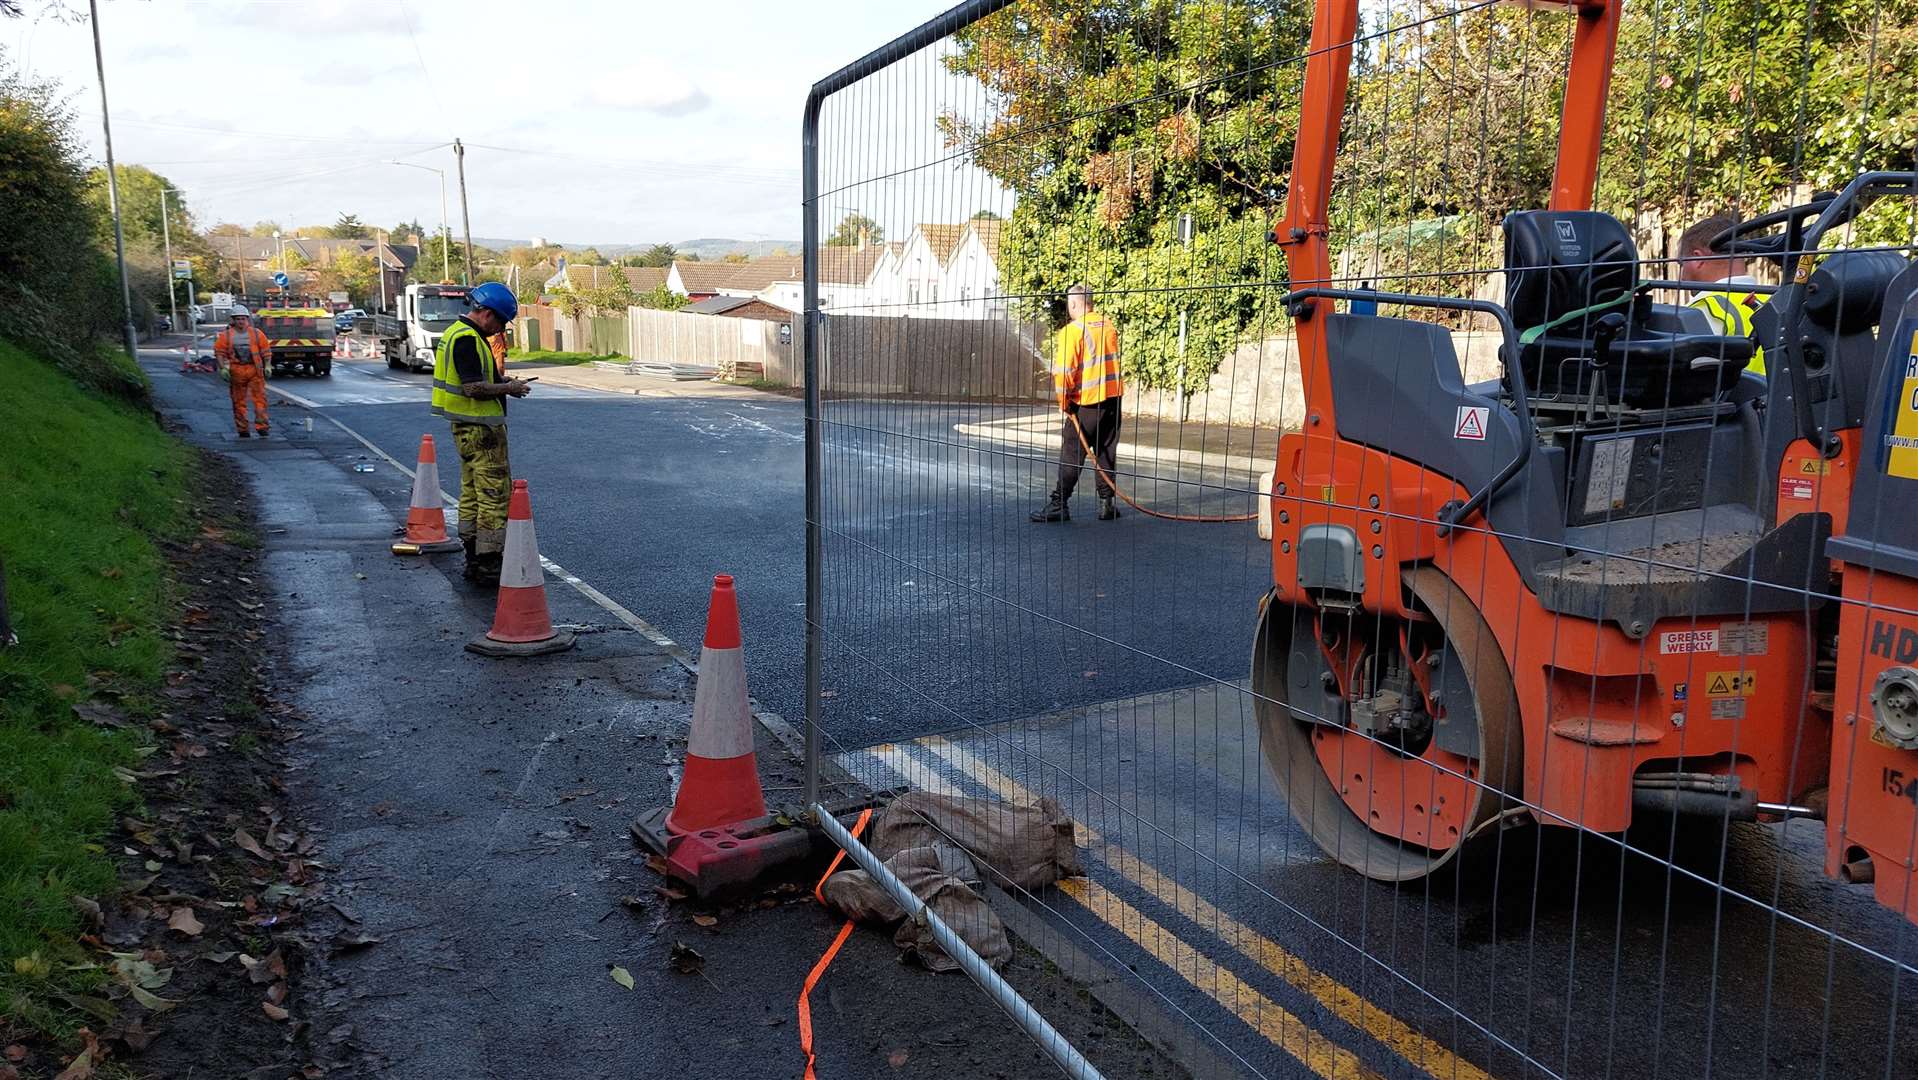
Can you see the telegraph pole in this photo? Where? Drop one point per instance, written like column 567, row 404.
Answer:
column 466, row 220
column 113, row 187
column 166, row 237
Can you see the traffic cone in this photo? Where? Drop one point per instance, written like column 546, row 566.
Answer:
column 426, row 518
column 721, row 782
column 521, row 624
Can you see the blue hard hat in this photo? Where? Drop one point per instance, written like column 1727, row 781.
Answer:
column 496, row 297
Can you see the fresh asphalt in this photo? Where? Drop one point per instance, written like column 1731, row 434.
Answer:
column 946, row 612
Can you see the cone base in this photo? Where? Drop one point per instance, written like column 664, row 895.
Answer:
column 411, row 547
column 486, row 645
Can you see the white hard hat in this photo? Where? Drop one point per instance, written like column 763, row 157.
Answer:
column 238, row 309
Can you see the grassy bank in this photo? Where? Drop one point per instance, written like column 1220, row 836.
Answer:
column 90, row 484
column 547, row 356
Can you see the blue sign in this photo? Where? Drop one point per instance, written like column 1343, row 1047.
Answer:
column 279, row 278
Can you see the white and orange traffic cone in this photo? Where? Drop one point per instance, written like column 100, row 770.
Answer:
column 721, row 782
column 426, row 517
column 522, row 625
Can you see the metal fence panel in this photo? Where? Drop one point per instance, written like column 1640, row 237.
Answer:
column 1485, row 674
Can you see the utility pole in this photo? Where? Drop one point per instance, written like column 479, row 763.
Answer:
column 466, row 220
column 379, row 265
column 113, row 185
column 166, row 237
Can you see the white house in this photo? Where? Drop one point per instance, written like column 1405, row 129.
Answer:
column 938, row 272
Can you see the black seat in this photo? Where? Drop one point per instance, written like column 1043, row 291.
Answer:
column 1585, row 329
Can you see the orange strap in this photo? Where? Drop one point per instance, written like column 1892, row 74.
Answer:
column 825, row 961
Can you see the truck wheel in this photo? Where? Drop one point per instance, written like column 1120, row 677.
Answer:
column 392, row 362
column 326, row 369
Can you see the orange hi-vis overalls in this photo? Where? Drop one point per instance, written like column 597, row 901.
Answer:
column 1085, row 369
column 247, row 375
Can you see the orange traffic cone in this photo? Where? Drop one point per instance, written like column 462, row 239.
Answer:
column 721, row 782
column 426, row 518
column 521, row 624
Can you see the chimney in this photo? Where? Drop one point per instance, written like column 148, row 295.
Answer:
column 865, row 236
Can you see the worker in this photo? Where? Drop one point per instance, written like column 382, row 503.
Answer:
column 1085, row 372
column 242, row 353
column 1728, row 298
column 469, row 391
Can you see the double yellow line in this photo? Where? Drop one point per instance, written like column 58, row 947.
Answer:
column 1305, row 1044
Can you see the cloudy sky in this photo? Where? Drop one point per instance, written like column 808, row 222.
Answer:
column 585, row 121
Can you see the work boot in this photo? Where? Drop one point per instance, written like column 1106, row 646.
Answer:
column 1055, row 509
column 1108, row 511
column 245, row 434
column 483, row 569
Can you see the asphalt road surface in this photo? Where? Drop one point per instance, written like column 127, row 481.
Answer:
column 1098, row 662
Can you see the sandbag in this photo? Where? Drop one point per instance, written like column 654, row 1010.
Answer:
column 940, row 874
column 1028, row 847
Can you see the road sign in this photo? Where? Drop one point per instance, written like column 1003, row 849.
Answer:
column 279, row 278
column 222, row 299
column 182, row 269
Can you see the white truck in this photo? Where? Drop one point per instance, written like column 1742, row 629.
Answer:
column 409, row 335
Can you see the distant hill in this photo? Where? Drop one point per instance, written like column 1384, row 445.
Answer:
column 706, row 247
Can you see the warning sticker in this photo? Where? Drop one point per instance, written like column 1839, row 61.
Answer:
column 1473, row 422
column 1731, row 683
column 1744, row 639
column 1688, row 641
column 1611, row 474
column 1814, row 466
column 1791, row 487
column 1728, row 708
column 1901, row 442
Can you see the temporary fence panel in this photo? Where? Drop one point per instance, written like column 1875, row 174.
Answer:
column 1504, row 659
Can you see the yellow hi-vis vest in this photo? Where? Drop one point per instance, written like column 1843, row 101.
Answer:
column 1733, row 311
column 447, row 399
column 1085, row 370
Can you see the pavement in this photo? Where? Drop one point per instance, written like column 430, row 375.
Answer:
column 481, row 885
column 1100, row 663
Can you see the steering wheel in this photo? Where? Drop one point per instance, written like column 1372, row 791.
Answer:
column 1762, row 236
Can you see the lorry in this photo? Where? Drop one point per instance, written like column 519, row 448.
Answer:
column 422, row 313
column 302, row 339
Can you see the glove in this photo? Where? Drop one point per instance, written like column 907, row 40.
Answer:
column 226, row 375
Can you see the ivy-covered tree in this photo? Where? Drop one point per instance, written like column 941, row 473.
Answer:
column 1113, row 122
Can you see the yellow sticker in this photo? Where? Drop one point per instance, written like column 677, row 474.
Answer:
column 1327, row 493
column 1731, row 683
column 1902, row 460
column 1814, row 466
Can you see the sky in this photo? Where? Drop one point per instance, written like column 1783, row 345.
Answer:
column 584, row 121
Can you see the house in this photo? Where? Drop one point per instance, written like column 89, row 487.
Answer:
column 845, row 276
column 698, row 280
column 739, row 307
column 972, row 273
column 921, row 277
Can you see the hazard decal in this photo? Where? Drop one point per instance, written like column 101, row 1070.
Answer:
column 1473, row 421
column 1901, row 442
column 1731, row 684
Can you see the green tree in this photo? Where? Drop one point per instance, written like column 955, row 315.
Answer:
column 586, row 257
column 661, row 298
column 264, row 228
column 987, row 215
column 348, row 227
column 409, row 228
column 227, row 228
column 1111, row 121
column 854, row 227
column 657, row 255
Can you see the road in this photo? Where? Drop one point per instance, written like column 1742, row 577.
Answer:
column 1098, row 662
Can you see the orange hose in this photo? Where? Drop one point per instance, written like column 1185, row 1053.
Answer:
column 825, row 960
column 1204, row 519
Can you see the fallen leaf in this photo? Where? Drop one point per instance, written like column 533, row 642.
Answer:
column 705, row 920
column 150, row 999
column 276, row 993
column 80, row 1068
column 16, row 1053
column 669, row 893
column 89, row 910
column 247, row 844
column 897, row 1059
column 621, row 976
column 152, row 867
column 349, row 940
column 272, row 1011
column 8, row 1072
column 185, row 922
column 634, row 903
column 686, row 960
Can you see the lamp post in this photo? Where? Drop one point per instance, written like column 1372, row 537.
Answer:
column 446, row 233
column 113, row 187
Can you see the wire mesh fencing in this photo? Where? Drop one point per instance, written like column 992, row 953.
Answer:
column 1420, row 495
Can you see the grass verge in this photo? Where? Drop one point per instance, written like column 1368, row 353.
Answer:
column 547, row 356
column 90, row 485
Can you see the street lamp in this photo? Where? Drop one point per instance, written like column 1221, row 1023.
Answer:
column 446, row 258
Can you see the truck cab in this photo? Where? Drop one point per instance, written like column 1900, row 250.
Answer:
column 422, row 314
